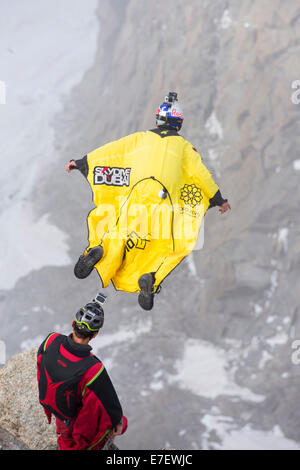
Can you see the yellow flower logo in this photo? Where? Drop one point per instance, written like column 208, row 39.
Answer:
column 191, row 195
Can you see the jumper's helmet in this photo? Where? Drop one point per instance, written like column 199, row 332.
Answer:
column 170, row 112
column 90, row 318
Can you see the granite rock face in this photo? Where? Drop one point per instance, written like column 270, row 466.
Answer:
column 21, row 415
column 9, row 442
column 231, row 309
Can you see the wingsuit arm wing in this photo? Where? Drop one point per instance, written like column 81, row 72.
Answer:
column 205, row 179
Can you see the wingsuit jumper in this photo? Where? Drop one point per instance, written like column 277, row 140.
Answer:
column 151, row 191
column 75, row 387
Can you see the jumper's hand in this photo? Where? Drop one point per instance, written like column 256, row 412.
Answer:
column 70, row 166
column 117, row 431
column 225, row 207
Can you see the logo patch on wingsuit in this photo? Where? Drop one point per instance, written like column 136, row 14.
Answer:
column 112, row 176
column 191, row 195
column 135, row 241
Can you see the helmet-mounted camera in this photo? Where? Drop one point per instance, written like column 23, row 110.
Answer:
column 171, row 98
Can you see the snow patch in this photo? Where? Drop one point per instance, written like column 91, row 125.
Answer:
column 266, row 357
column 191, row 265
column 127, row 334
column 282, row 239
column 213, row 126
column 225, row 21
column 249, row 25
column 156, row 385
column 256, row 308
column 213, row 155
column 204, row 371
column 234, row 437
column 273, row 286
column 278, row 340
column 214, row 160
column 296, row 165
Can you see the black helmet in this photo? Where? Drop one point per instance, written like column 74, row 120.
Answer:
column 90, row 318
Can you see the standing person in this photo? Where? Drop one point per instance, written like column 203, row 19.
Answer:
column 75, row 387
column 160, row 174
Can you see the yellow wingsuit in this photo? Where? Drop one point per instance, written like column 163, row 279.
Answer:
column 151, row 191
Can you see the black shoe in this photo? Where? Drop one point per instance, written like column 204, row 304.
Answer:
column 86, row 263
column 146, row 296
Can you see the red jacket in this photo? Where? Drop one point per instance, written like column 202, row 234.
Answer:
column 76, row 388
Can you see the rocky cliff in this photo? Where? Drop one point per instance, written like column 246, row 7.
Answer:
column 21, row 415
column 211, row 366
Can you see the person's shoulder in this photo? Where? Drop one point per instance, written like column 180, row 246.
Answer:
column 95, row 363
column 51, row 337
column 94, row 370
column 48, row 340
column 189, row 146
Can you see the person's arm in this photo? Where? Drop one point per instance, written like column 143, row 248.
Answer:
column 47, row 341
column 217, row 200
column 100, row 412
column 119, row 429
column 81, row 165
column 40, row 351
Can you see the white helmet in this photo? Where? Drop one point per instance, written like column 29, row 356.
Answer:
column 170, row 112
